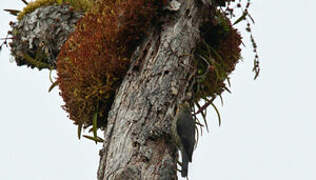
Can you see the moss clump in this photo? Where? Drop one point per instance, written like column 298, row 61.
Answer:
column 216, row 55
column 94, row 60
column 78, row 5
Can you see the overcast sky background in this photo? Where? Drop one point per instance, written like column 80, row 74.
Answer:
column 268, row 130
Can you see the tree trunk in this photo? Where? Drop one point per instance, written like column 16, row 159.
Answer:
column 137, row 138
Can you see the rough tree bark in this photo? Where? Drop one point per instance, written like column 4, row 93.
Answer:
column 137, row 138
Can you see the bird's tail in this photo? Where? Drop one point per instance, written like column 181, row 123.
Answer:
column 185, row 163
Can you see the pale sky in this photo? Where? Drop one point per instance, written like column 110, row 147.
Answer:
column 268, row 129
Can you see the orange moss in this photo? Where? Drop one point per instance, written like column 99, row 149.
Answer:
column 94, row 60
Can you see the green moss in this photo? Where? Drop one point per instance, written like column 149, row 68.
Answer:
column 216, row 56
column 36, row 62
column 79, row 5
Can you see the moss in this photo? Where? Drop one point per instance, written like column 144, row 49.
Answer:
column 94, row 60
column 37, row 62
column 79, row 5
column 216, row 55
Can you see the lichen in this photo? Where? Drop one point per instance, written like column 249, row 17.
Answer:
column 78, row 5
column 38, row 37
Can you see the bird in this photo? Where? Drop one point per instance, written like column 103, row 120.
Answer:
column 183, row 130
